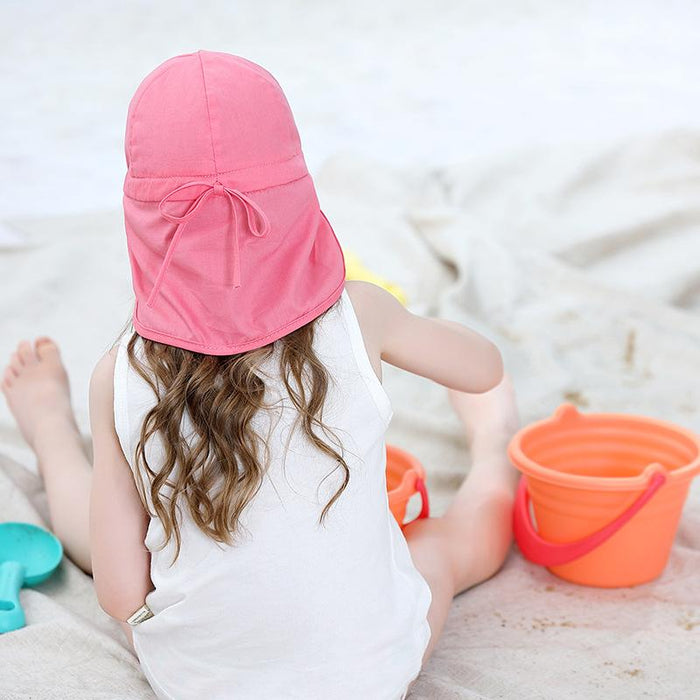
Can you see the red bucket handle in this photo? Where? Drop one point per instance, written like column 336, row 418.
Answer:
column 425, row 504
column 539, row 551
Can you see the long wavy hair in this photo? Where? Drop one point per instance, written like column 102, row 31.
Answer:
column 222, row 394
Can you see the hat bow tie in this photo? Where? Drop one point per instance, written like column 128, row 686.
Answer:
column 217, row 189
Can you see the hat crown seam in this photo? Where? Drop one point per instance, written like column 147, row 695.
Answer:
column 217, row 173
column 206, row 101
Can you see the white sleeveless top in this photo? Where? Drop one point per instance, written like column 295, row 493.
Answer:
column 295, row 609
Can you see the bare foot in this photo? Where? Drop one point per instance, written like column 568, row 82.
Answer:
column 491, row 416
column 35, row 385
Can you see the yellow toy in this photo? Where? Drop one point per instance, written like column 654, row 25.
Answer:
column 355, row 270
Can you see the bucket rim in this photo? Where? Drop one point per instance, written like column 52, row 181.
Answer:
column 568, row 413
column 414, row 469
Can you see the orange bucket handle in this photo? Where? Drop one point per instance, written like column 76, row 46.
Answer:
column 540, row 551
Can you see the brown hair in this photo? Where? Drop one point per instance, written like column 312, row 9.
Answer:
column 221, row 395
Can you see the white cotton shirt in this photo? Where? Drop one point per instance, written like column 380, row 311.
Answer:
column 295, row 609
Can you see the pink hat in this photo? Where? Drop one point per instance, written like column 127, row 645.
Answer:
column 229, row 249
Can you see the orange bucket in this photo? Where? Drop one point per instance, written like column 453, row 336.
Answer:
column 607, row 492
column 404, row 477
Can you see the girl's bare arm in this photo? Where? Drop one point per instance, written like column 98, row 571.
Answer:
column 447, row 352
column 118, row 520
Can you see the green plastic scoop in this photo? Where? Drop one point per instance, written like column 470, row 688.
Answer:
column 29, row 554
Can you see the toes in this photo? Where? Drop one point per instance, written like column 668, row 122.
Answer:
column 45, row 347
column 7, row 379
column 25, row 352
column 15, row 364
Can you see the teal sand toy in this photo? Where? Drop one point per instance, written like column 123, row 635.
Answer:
column 29, row 554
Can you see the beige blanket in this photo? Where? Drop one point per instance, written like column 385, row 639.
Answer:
column 582, row 264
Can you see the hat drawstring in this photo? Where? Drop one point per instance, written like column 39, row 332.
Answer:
column 218, row 189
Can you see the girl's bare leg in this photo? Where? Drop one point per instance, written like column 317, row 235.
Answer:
column 470, row 542
column 35, row 384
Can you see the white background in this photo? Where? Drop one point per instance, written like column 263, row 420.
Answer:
column 407, row 82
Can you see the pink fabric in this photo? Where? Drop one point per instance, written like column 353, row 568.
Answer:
column 228, row 246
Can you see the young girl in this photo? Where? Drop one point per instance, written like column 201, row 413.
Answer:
column 235, row 518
